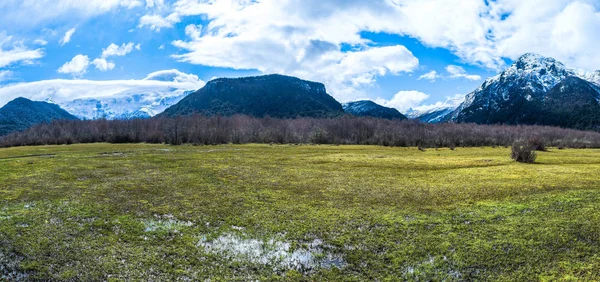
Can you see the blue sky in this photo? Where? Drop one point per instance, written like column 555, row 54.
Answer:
column 400, row 53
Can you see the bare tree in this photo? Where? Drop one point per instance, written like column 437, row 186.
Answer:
column 241, row 129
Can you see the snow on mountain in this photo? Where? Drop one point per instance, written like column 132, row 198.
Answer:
column 127, row 105
column 534, row 90
column 437, row 112
column 542, row 73
column 116, row 99
column 531, row 73
column 593, row 77
column 360, row 106
column 437, row 115
column 371, row 109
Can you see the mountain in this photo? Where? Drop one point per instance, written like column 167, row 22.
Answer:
column 593, row 77
column 20, row 114
column 113, row 99
column 535, row 90
column 126, row 105
column 371, row 109
column 277, row 96
column 438, row 112
column 434, row 115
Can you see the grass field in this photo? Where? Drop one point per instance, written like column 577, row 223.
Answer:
column 295, row 213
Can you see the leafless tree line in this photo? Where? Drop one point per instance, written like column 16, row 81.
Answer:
column 203, row 130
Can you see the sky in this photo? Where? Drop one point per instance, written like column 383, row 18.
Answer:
column 400, row 53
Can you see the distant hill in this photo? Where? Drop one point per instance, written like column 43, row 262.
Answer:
column 535, row 90
column 371, row 109
column 20, row 114
column 276, row 96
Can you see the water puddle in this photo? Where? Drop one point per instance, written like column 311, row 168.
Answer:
column 272, row 252
column 165, row 223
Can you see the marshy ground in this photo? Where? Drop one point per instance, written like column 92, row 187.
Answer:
column 285, row 212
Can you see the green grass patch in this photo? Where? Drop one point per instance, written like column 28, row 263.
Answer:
column 304, row 213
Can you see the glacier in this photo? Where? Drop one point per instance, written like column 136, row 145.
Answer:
column 111, row 99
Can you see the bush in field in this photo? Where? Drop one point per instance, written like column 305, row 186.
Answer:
column 523, row 152
column 538, row 144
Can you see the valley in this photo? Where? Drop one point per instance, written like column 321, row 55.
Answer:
column 120, row 212
column 299, row 140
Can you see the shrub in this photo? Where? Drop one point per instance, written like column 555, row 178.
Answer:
column 523, row 152
column 538, row 144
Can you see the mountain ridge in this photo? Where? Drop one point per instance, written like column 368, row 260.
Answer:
column 520, row 95
column 272, row 95
column 367, row 108
column 21, row 113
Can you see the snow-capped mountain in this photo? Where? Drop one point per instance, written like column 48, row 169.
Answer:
column 116, row 99
column 371, row 109
column 436, row 113
column 531, row 73
column 126, row 105
column 593, row 77
column 534, row 90
column 433, row 115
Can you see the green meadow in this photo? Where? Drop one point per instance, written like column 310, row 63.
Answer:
column 297, row 213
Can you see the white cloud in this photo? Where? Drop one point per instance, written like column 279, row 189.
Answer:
column 19, row 15
column 77, row 66
column 404, row 100
column 156, row 22
column 130, row 4
column 431, row 76
column 460, row 72
column 112, row 50
column 19, row 54
column 40, row 42
column 454, row 72
column 154, row 87
column 5, row 75
column 174, row 76
column 67, row 37
column 307, row 42
column 348, row 75
column 450, row 102
column 103, row 65
column 564, row 29
column 479, row 32
column 343, row 72
column 299, row 38
column 155, row 3
column 12, row 52
column 115, row 50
